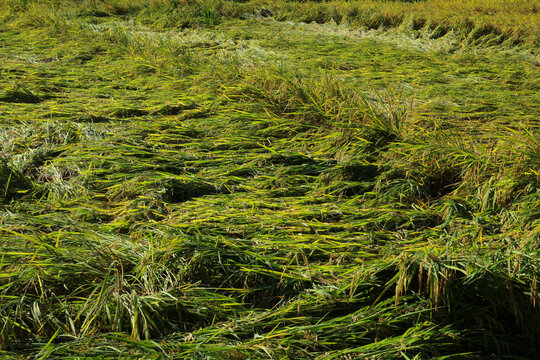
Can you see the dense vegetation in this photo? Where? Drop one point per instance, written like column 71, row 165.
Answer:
column 269, row 179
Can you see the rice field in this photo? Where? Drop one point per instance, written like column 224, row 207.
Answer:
column 204, row 179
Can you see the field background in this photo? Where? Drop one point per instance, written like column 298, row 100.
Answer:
column 270, row 179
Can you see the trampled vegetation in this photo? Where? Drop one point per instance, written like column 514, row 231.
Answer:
column 269, row 179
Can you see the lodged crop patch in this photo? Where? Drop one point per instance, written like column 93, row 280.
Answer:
column 236, row 180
